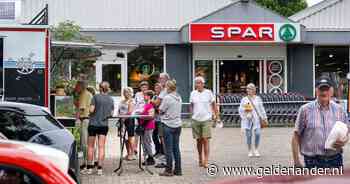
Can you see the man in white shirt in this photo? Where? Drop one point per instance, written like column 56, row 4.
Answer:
column 203, row 109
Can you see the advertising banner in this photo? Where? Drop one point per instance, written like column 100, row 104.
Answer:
column 25, row 65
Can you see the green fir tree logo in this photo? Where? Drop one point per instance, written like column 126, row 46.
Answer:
column 287, row 32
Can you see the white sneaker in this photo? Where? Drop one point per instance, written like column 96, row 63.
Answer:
column 250, row 153
column 100, row 172
column 80, row 154
column 162, row 158
column 256, row 153
column 86, row 172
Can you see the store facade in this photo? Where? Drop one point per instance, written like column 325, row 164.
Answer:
column 229, row 42
column 328, row 30
column 230, row 51
column 238, row 44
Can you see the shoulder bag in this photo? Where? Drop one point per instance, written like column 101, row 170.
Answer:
column 263, row 123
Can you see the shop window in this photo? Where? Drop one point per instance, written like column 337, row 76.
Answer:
column 333, row 61
column 145, row 63
column 275, row 76
column 204, row 68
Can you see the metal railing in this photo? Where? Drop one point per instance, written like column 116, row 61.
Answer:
column 283, row 113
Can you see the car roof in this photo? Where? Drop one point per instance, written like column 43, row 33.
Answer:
column 19, row 154
column 26, row 109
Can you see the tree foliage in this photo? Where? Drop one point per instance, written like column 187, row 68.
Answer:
column 80, row 59
column 284, row 7
column 69, row 31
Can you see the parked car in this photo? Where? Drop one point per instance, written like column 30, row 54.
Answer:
column 35, row 124
column 27, row 163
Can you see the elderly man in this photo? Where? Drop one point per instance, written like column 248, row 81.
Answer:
column 163, row 79
column 312, row 127
column 203, row 109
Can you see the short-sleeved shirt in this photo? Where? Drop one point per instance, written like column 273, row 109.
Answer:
column 104, row 107
column 150, row 123
column 170, row 108
column 84, row 103
column 202, row 105
column 313, row 125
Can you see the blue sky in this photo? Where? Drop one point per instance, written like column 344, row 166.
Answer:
column 312, row 2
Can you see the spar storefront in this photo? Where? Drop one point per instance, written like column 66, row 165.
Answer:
column 229, row 42
column 240, row 44
column 230, row 47
column 230, row 56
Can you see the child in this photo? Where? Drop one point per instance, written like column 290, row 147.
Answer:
column 149, row 125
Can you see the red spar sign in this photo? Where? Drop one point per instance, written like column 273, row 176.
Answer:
column 232, row 33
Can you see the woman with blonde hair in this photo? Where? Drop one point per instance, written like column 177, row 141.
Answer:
column 251, row 111
column 126, row 107
column 101, row 108
column 170, row 110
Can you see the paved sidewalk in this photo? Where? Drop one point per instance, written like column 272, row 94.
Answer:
column 227, row 149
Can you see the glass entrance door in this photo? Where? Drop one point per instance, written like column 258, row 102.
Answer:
column 234, row 75
column 114, row 73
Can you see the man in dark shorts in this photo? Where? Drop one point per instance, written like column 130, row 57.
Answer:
column 101, row 108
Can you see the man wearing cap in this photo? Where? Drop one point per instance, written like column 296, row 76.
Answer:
column 314, row 122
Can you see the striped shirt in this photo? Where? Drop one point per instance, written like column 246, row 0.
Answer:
column 314, row 124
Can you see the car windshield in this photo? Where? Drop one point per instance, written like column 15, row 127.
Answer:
column 23, row 127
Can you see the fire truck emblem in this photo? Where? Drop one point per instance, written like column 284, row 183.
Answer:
column 25, row 65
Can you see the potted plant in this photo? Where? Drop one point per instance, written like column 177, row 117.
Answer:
column 60, row 89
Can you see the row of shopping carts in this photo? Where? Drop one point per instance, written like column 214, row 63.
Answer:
column 281, row 109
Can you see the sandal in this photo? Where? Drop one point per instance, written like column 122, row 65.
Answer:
column 205, row 164
column 200, row 164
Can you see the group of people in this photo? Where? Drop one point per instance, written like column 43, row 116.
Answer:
column 162, row 129
column 161, row 123
column 160, row 126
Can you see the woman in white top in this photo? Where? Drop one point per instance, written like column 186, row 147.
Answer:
column 126, row 107
column 251, row 110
